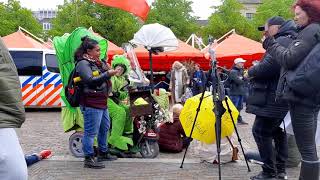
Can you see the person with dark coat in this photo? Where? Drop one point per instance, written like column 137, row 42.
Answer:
column 172, row 136
column 304, row 108
column 269, row 111
column 198, row 80
column 237, row 86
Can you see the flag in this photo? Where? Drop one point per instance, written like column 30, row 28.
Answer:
column 139, row 8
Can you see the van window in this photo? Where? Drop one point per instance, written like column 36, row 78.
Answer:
column 28, row 63
column 52, row 64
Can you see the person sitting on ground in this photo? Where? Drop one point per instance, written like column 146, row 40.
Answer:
column 36, row 157
column 172, row 136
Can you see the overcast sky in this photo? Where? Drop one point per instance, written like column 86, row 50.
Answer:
column 201, row 8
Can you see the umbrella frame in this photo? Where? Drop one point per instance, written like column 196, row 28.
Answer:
column 153, row 50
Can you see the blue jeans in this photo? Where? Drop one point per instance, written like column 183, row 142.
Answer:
column 96, row 122
column 31, row 159
column 238, row 103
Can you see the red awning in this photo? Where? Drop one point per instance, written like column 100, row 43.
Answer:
column 234, row 46
column 21, row 40
column 113, row 50
column 164, row 60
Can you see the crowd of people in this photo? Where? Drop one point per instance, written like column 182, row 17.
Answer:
column 270, row 97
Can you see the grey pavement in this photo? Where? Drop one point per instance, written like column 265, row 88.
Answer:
column 43, row 130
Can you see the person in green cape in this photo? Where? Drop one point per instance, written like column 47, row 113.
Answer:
column 119, row 112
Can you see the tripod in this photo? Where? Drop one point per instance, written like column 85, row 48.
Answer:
column 218, row 95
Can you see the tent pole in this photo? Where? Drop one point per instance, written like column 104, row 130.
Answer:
column 151, row 72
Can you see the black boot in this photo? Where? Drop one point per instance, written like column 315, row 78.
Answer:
column 309, row 170
column 105, row 156
column 90, row 162
column 264, row 176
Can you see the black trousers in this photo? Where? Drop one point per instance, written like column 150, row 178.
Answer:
column 304, row 123
column 266, row 131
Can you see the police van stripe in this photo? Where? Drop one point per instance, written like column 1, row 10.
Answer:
column 50, row 80
column 42, row 90
column 40, row 79
column 27, row 81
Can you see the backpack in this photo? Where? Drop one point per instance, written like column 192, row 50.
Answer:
column 304, row 80
column 72, row 90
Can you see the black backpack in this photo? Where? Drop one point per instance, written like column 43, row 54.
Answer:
column 304, row 79
column 72, row 90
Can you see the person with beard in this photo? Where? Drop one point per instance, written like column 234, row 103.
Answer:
column 269, row 111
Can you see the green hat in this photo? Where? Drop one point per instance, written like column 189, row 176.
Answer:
column 120, row 60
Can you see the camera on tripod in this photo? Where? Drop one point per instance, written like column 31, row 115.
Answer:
column 218, row 92
column 210, row 39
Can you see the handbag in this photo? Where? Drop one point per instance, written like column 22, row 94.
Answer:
column 304, row 80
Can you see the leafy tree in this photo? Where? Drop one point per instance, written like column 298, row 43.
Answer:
column 226, row 18
column 116, row 25
column 174, row 14
column 270, row 8
column 13, row 16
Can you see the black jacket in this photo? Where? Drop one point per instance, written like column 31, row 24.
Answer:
column 289, row 58
column 94, row 88
column 90, row 82
column 262, row 98
column 237, row 83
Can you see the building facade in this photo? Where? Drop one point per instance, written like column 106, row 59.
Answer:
column 44, row 16
column 250, row 7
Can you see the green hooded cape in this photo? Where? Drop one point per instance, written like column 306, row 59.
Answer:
column 66, row 47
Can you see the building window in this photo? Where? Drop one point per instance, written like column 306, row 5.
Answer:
column 49, row 14
column 46, row 26
column 41, row 13
column 249, row 16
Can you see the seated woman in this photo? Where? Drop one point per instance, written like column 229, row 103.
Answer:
column 121, row 122
column 172, row 137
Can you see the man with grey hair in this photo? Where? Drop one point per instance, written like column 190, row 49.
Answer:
column 237, row 86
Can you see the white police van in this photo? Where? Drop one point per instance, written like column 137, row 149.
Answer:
column 39, row 76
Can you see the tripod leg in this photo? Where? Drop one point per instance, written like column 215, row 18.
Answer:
column 236, row 130
column 194, row 123
column 218, row 142
column 219, row 110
